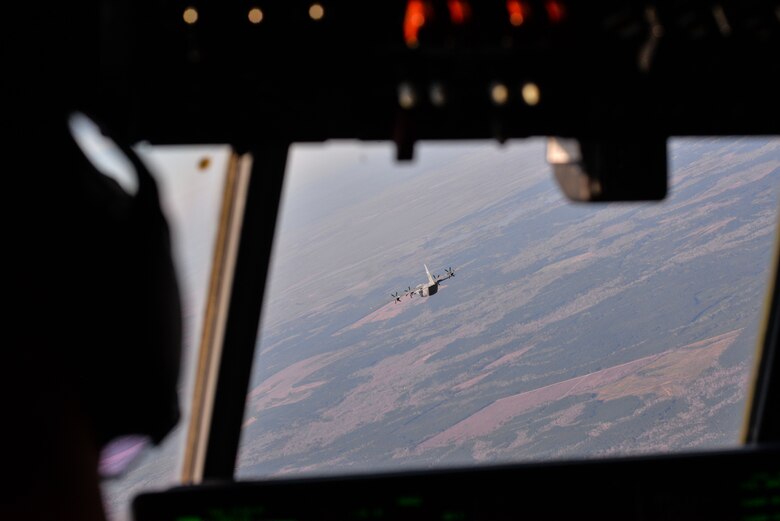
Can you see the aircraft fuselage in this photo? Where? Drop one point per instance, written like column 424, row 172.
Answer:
column 426, row 290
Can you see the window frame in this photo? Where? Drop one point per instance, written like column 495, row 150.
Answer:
column 220, row 435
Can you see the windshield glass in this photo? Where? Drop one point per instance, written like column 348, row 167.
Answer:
column 566, row 331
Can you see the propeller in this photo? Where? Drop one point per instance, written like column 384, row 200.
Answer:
column 450, row 272
column 409, row 292
column 396, row 297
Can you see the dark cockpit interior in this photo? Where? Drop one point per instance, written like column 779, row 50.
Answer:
column 606, row 85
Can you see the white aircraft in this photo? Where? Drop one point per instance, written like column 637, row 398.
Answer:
column 426, row 289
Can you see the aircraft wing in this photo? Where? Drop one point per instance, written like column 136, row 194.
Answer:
column 448, row 274
column 398, row 295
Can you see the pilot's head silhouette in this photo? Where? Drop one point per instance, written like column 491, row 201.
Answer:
column 96, row 329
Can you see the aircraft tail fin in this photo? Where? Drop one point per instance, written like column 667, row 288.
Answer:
column 430, row 277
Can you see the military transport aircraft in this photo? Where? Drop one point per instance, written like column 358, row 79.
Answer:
column 426, row 289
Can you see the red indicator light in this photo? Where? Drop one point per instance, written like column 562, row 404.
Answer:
column 460, row 11
column 555, row 11
column 518, row 12
column 414, row 20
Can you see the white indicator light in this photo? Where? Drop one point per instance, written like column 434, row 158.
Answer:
column 316, row 12
column 406, row 96
column 190, row 15
column 499, row 93
column 255, row 15
column 530, row 94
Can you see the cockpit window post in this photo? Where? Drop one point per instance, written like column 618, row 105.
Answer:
column 762, row 425
column 243, row 313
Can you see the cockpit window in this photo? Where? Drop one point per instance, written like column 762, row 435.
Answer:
column 458, row 310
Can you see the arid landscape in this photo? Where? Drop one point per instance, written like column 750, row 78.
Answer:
column 569, row 331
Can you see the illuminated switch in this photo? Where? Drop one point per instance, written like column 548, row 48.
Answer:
column 418, row 13
column 518, row 12
column 460, row 11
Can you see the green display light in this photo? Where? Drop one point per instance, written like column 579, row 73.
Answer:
column 409, row 501
column 756, row 518
column 754, row 502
